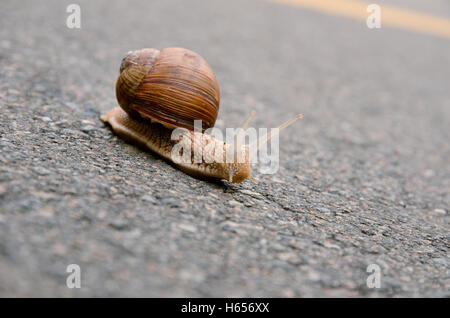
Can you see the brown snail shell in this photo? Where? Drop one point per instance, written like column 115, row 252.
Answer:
column 174, row 87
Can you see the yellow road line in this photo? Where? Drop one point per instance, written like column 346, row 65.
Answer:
column 390, row 15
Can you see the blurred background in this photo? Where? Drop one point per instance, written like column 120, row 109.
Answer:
column 364, row 177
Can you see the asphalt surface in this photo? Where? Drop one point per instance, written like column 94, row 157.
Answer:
column 364, row 178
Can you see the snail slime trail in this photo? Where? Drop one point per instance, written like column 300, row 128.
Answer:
column 160, row 91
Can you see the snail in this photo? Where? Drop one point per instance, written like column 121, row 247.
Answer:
column 161, row 90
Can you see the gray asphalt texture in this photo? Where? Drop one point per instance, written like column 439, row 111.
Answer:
column 364, row 178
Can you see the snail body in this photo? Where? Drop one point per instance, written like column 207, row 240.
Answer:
column 159, row 91
column 157, row 138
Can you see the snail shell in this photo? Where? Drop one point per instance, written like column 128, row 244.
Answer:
column 174, row 87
